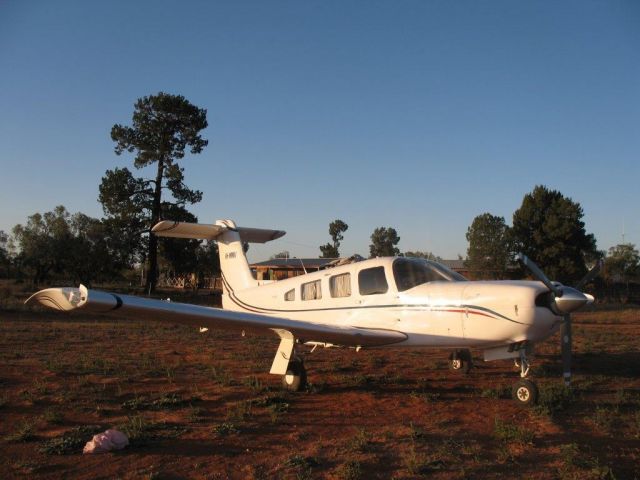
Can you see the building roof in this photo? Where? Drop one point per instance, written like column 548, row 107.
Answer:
column 294, row 263
column 453, row 264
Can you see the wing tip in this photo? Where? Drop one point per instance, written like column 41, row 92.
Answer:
column 62, row 299
column 164, row 225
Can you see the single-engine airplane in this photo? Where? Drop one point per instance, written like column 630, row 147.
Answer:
column 375, row 303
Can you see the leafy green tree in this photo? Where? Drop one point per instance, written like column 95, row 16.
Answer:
column 126, row 202
column 58, row 243
column 207, row 260
column 89, row 256
column 622, row 262
column 163, row 126
column 178, row 255
column 42, row 243
column 283, row 254
column 383, row 243
column 425, row 255
column 490, row 250
column 548, row 228
column 336, row 229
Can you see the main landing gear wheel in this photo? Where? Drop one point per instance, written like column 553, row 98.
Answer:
column 460, row 361
column 296, row 377
column 525, row 393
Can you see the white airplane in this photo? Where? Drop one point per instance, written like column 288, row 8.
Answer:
column 380, row 302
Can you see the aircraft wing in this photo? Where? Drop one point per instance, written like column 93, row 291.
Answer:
column 95, row 301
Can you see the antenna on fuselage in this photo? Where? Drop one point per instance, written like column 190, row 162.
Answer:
column 303, row 267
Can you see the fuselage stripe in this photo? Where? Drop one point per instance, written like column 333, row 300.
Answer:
column 471, row 309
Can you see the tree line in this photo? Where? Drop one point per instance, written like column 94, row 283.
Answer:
column 163, row 128
column 547, row 227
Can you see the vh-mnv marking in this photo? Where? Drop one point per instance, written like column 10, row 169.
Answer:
column 381, row 302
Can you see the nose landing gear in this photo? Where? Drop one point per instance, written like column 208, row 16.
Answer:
column 524, row 391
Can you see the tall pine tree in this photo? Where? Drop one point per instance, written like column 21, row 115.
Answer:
column 163, row 126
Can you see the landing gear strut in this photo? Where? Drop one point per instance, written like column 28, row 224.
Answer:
column 460, row 361
column 524, row 391
column 296, row 377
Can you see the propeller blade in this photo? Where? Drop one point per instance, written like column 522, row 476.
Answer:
column 539, row 274
column 591, row 274
column 565, row 347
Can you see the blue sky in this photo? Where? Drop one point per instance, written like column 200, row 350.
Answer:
column 417, row 115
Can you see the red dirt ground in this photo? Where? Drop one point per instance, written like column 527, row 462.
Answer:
column 371, row 414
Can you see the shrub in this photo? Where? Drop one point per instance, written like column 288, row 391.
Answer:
column 300, row 461
column 53, row 416
column 554, row 398
column 239, row 411
column 417, row 463
column 351, row 470
column 225, row 428
column 511, row 432
column 138, row 429
column 165, row 402
column 360, row 442
column 24, row 432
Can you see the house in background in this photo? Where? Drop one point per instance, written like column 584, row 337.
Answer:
column 281, row 268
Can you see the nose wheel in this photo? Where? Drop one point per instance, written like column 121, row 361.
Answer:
column 524, row 391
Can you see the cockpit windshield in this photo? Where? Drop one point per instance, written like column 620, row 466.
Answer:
column 410, row 272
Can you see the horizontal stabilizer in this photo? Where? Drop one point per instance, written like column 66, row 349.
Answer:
column 167, row 228
column 94, row 301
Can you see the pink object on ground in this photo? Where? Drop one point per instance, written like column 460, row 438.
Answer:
column 107, row 441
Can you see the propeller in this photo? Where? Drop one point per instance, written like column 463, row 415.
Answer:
column 565, row 300
column 591, row 274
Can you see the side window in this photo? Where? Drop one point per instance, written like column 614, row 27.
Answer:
column 311, row 291
column 290, row 296
column 372, row 281
column 340, row 285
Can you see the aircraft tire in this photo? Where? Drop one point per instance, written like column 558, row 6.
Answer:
column 525, row 393
column 461, row 361
column 296, row 377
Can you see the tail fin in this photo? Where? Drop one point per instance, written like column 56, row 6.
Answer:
column 233, row 261
column 236, row 274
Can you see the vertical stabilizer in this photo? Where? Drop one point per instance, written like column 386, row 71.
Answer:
column 236, row 274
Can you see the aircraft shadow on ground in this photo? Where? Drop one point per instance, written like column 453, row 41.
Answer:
column 623, row 364
column 608, row 364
